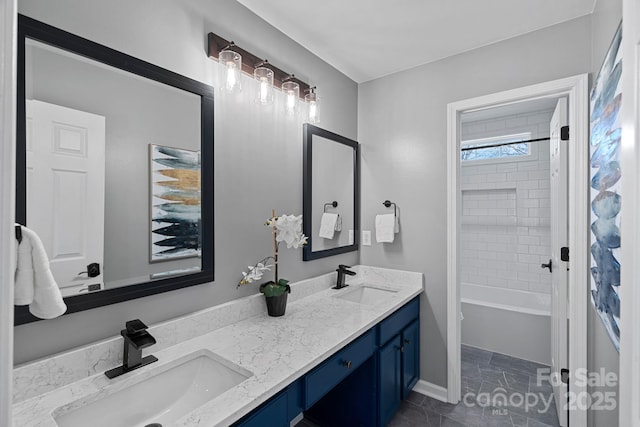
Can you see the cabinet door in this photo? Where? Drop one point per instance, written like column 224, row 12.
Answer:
column 271, row 414
column 410, row 357
column 389, row 384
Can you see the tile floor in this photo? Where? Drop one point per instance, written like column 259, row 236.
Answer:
column 487, row 378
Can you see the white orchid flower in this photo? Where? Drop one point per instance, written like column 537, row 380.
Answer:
column 288, row 229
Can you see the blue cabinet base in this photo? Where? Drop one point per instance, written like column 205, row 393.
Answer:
column 361, row 385
column 350, row 403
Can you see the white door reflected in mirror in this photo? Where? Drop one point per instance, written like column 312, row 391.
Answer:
column 65, row 190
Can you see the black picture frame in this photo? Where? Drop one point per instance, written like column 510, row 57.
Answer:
column 309, row 131
column 29, row 28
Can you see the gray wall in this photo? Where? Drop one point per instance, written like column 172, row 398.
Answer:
column 258, row 153
column 602, row 354
column 402, row 131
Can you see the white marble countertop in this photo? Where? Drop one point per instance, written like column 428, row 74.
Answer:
column 277, row 351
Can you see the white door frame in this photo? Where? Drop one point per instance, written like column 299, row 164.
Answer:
column 8, row 37
column 629, row 391
column 576, row 88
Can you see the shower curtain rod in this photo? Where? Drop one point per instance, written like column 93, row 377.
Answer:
column 503, row 144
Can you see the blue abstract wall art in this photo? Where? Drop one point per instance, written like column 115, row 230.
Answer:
column 605, row 124
column 175, row 203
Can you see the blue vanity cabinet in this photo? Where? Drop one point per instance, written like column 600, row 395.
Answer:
column 410, row 357
column 389, row 380
column 330, row 373
column 277, row 411
column 398, row 358
column 361, row 385
column 271, row 414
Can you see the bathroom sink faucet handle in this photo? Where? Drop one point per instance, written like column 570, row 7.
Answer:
column 135, row 326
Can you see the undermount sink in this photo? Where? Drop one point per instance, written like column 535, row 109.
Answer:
column 365, row 294
column 162, row 398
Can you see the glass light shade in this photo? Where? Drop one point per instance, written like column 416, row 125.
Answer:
column 291, row 92
column 314, row 112
column 264, row 76
column 232, row 62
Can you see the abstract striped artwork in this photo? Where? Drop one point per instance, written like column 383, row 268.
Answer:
column 606, row 197
column 175, row 203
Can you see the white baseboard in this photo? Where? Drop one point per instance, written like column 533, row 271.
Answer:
column 431, row 390
column 297, row 419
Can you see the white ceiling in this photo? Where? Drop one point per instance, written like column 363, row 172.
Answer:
column 367, row 39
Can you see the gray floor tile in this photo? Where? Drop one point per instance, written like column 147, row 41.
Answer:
column 448, row 422
column 476, row 355
column 516, row 382
column 470, row 369
column 540, row 385
column 410, row 415
column 535, row 423
column 470, row 385
column 513, row 364
column 416, row 398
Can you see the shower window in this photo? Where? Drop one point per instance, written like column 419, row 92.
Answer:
column 501, row 147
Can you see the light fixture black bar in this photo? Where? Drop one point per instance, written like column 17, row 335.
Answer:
column 250, row 62
column 480, row 147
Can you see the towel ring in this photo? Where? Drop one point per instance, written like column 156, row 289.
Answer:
column 333, row 204
column 388, row 204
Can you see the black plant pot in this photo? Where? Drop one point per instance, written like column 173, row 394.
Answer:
column 276, row 305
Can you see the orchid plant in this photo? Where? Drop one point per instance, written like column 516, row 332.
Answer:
column 287, row 229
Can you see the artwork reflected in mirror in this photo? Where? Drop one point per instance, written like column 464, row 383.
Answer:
column 331, row 193
column 114, row 169
column 175, row 203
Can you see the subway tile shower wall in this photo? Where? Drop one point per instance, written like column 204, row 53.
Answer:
column 505, row 209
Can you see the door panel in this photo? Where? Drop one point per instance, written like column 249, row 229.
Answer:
column 560, row 273
column 65, row 169
column 390, row 383
column 410, row 357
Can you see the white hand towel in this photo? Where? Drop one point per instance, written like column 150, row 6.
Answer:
column 34, row 283
column 385, row 228
column 328, row 225
column 23, row 290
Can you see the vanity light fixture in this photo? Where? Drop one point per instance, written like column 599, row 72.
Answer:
column 291, row 91
column 249, row 63
column 264, row 77
column 232, row 62
column 312, row 99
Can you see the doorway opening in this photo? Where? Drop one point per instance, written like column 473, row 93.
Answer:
column 500, row 185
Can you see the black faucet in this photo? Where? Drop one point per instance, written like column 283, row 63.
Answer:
column 136, row 338
column 342, row 270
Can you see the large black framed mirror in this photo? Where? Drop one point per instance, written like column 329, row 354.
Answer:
column 331, row 193
column 114, row 169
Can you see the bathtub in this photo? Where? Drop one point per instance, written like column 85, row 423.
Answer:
column 508, row 321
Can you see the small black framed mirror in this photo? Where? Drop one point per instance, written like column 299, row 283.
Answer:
column 331, row 193
column 151, row 179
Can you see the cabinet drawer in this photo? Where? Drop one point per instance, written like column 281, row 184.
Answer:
column 393, row 324
column 322, row 379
